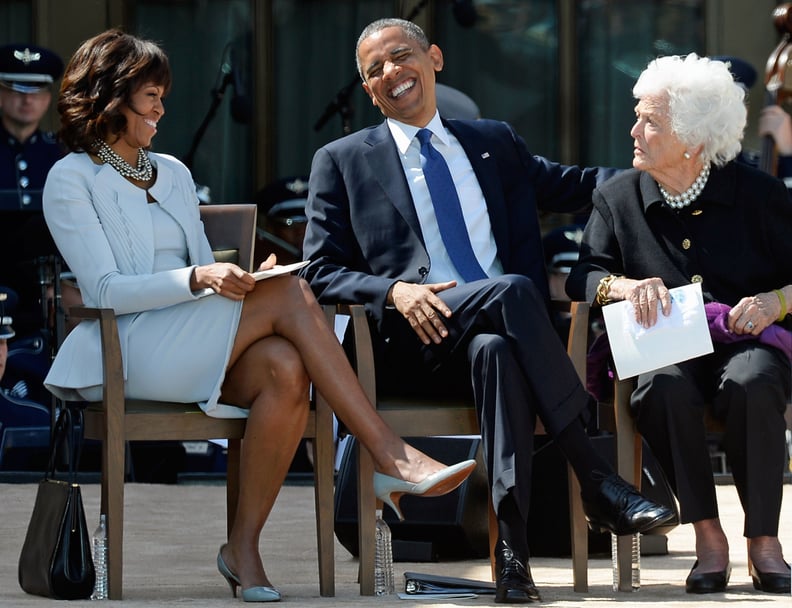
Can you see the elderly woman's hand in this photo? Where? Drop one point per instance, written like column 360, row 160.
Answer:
column 644, row 295
column 754, row 314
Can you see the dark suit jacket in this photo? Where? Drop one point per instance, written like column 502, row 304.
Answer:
column 363, row 233
column 736, row 238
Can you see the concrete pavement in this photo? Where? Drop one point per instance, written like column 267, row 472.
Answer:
column 172, row 534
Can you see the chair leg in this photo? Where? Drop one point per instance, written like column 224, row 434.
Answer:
column 492, row 526
column 324, row 464
column 113, row 451
column 578, row 534
column 232, row 482
column 628, row 464
column 366, row 516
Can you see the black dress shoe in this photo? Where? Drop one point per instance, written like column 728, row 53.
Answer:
column 513, row 582
column 771, row 582
column 707, row 582
column 619, row 508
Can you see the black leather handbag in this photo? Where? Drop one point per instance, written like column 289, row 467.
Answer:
column 56, row 557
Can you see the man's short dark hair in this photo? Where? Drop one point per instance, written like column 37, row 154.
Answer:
column 408, row 27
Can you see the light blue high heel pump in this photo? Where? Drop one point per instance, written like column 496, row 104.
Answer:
column 251, row 594
column 390, row 490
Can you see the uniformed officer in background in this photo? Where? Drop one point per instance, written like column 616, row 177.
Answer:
column 28, row 75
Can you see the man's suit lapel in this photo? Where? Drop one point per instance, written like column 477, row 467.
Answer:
column 383, row 158
column 486, row 169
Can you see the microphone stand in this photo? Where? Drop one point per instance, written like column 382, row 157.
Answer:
column 341, row 105
column 217, row 97
column 416, row 10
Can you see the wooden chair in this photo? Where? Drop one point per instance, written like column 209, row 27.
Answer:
column 615, row 416
column 431, row 417
column 116, row 420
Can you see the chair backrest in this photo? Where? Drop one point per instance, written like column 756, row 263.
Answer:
column 231, row 230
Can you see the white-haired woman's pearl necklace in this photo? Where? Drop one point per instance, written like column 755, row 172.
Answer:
column 691, row 194
column 143, row 172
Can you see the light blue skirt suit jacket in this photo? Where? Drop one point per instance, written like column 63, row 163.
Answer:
column 175, row 344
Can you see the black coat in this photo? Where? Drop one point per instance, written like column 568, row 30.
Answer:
column 736, row 238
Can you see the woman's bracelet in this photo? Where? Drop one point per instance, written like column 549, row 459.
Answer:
column 603, row 288
column 781, row 299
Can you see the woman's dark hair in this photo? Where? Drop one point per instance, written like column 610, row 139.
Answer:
column 99, row 82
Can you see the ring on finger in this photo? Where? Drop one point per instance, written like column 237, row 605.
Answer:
column 749, row 325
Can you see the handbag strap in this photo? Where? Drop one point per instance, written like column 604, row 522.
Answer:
column 69, row 431
column 76, row 442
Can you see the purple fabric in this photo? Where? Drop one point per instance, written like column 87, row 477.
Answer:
column 718, row 319
column 599, row 377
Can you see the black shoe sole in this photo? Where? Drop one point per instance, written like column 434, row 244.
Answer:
column 515, row 596
column 698, row 590
column 767, row 588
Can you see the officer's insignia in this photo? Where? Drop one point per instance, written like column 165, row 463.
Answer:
column 26, row 56
column 298, row 186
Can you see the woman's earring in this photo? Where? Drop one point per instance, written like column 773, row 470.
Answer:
column 687, row 155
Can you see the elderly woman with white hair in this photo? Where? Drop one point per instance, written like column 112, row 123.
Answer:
column 688, row 213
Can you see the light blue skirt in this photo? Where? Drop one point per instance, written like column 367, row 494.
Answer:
column 180, row 353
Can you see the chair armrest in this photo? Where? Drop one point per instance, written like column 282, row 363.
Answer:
column 112, row 364
column 577, row 343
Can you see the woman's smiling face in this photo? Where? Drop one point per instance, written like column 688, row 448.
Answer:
column 142, row 115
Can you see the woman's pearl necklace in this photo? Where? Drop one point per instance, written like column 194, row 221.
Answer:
column 691, row 194
column 143, row 172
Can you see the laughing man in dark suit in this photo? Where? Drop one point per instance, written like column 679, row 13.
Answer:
column 373, row 237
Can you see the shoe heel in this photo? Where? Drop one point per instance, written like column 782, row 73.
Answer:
column 394, row 504
column 748, row 554
column 226, row 573
column 233, row 586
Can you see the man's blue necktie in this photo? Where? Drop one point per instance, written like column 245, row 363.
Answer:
column 448, row 211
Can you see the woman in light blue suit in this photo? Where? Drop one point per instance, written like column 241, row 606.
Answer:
column 127, row 223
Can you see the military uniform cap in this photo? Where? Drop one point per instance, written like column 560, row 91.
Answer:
column 284, row 199
column 743, row 72
column 562, row 247
column 453, row 103
column 26, row 68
